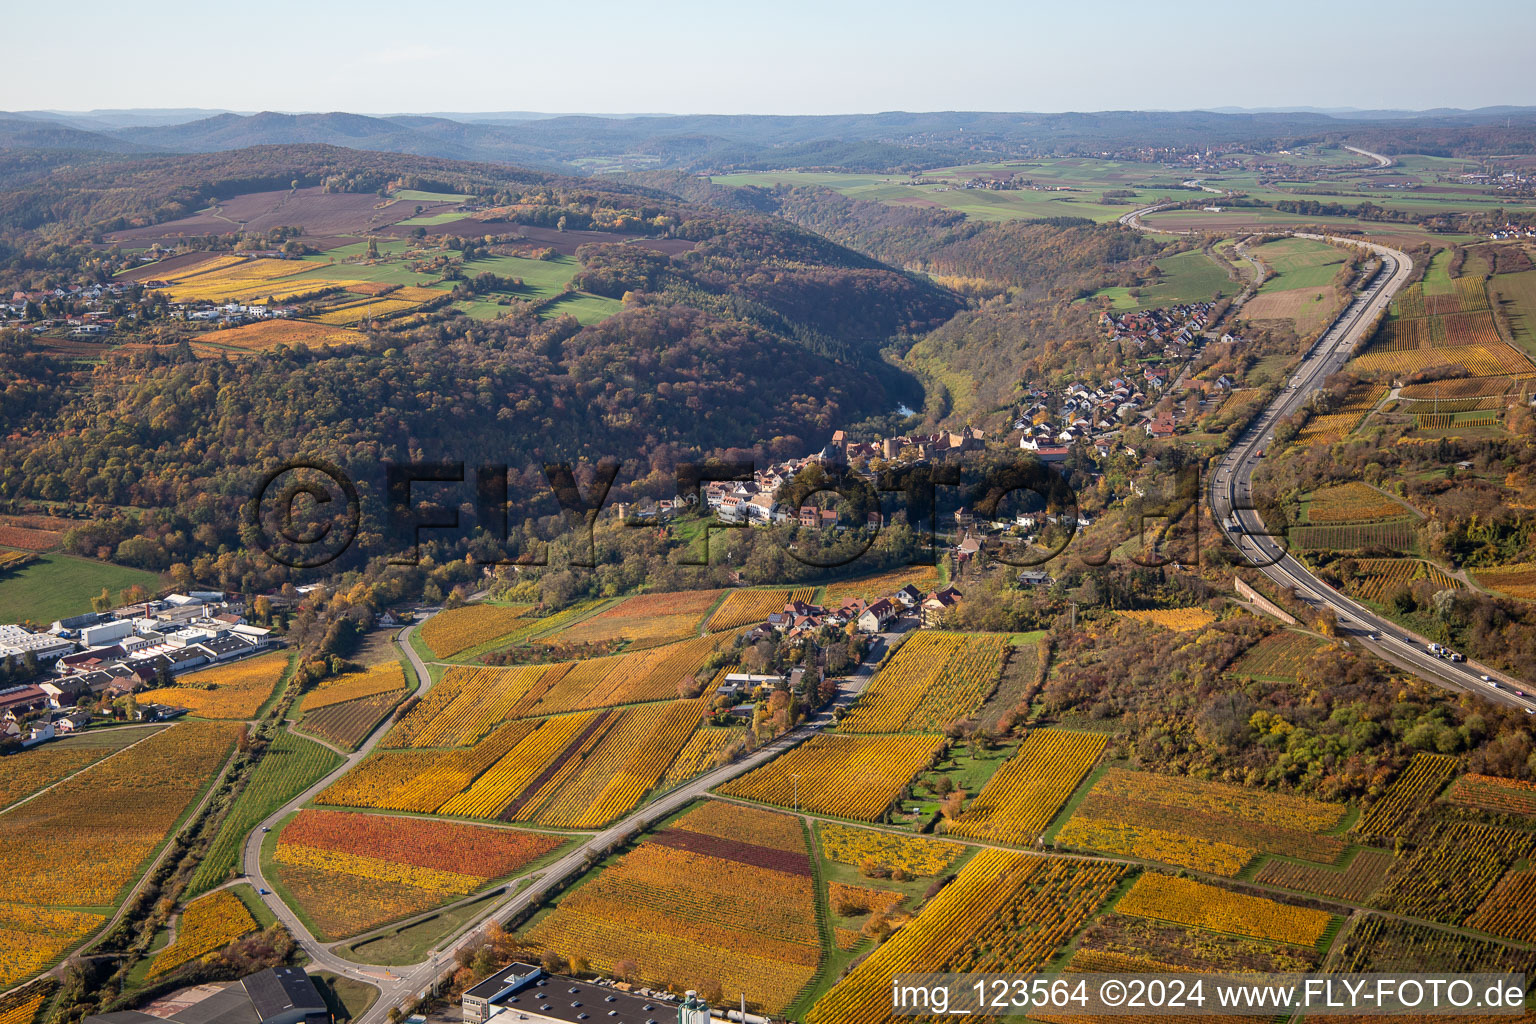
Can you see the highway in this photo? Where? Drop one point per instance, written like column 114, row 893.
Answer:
column 1381, row 161
column 1230, row 494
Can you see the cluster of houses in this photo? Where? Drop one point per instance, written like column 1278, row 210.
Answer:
column 935, row 447
column 1080, row 413
column 230, row 314
column 1514, row 179
column 753, row 502
column 96, row 320
column 1179, row 331
column 1512, row 231
column 799, row 619
column 105, row 655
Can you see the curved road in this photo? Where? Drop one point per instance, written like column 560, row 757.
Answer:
column 250, row 855
column 397, row 984
column 1381, row 161
column 1231, row 489
column 1230, row 495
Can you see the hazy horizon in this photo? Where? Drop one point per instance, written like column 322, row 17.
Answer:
column 805, row 59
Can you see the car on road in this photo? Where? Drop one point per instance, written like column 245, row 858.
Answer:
column 1484, row 677
column 266, row 828
column 264, row 892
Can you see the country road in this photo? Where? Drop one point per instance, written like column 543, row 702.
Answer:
column 1381, row 161
column 251, row 853
column 397, row 984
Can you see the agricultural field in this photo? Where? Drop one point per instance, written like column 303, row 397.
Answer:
column 1509, row 911
column 1361, row 877
column 1278, row 657
column 28, row 771
column 579, row 771
column 1459, row 389
column 466, row 704
column 1300, row 262
column 1353, row 502
column 1187, row 902
column 918, row 856
column 1491, row 359
column 1070, row 188
column 356, row 313
column 1307, row 308
column 13, row 560
column 459, row 629
column 933, row 679
column 234, row 279
column 724, row 898
column 622, row 763
column 1399, row 535
column 56, row 586
column 1382, row 944
column 1518, row 581
column 1186, row 277
column 33, row 533
column 421, row 780
column 1471, row 420
column 320, row 213
column 265, row 335
column 752, row 607
column 1378, row 578
column 926, row 578
column 206, row 924
column 586, row 308
column 348, row 723
column 1394, row 812
column 349, row 872
column 844, row 776
column 1452, row 867
column 702, row 752
column 470, row 701
column 32, row 938
column 1020, row 800
column 235, row 690
column 110, row 818
column 1333, row 426
column 646, row 620
column 1207, row 826
column 288, row 767
column 1490, row 793
column 21, row 1006
column 384, row 677
column 1179, row 620
column 1302, row 289
column 1005, row 912
column 1516, row 294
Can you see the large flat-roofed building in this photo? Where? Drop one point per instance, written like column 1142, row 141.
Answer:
column 277, row 995
column 523, row 992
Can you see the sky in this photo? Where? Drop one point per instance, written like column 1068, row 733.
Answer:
column 789, row 57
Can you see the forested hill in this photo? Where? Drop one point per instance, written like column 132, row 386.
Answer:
column 749, row 332
column 1063, row 254
column 888, row 141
